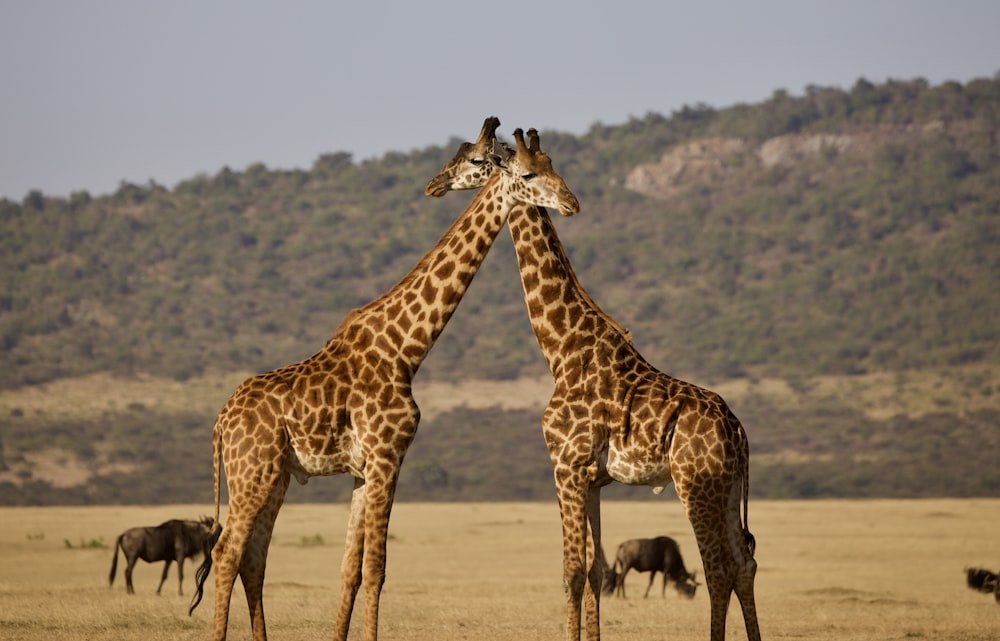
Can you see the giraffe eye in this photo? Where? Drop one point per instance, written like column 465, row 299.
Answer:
column 478, row 161
column 527, row 176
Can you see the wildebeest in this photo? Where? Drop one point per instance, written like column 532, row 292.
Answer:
column 983, row 581
column 171, row 541
column 660, row 554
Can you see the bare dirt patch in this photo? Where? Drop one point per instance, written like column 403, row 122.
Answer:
column 58, row 468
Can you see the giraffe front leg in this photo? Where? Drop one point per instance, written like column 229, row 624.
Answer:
column 350, row 567
column 378, row 508
column 128, row 574
column 597, row 565
column 571, row 487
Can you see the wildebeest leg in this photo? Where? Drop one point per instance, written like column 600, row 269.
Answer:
column 163, row 577
column 179, row 552
column 180, row 577
column 131, row 557
column 620, row 582
column 652, row 577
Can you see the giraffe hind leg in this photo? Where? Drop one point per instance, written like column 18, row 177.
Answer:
column 225, row 558
column 254, row 561
column 744, row 592
column 242, row 550
column 706, row 505
column 743, row 545
column 719, row 577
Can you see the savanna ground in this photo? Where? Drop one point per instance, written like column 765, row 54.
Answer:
column 829, row 570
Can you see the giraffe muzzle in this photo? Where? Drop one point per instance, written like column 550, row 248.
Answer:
column 437, row 187
column 569, row 206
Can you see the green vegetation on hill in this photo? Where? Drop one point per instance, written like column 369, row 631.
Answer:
column 833, row 233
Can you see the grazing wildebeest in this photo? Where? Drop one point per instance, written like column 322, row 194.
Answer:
column 983, row 581
column 651, row 555
column 171, row 541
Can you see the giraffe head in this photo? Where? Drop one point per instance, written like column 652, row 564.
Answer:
column 528, row 168
column 534, row 181
column 471, row 166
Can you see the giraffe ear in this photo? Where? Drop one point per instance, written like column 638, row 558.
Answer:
column 500, row 154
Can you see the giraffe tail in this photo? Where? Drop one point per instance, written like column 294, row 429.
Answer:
column 751, row 542
column 201, row 575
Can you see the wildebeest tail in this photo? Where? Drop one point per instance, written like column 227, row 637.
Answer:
column 201, row 574
column 114, row 560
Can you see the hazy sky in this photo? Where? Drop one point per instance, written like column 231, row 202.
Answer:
column 95, row 92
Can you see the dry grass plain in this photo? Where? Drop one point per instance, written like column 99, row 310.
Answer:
column 829, row 570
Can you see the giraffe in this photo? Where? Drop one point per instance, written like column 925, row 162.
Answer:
column 349, row 408
column 614, row 417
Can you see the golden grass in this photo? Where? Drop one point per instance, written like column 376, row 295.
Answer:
column 829, row 570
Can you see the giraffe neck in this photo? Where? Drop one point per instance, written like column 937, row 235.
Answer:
column 563, row 316
column 404, row 323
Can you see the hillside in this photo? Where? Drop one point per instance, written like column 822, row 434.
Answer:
column 840, row 235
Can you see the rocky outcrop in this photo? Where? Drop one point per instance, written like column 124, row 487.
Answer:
column 791, row 148
column 706, row 160
column 710, row 160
